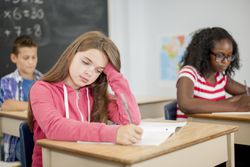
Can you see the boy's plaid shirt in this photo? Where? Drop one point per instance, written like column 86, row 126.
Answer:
column 11, row 88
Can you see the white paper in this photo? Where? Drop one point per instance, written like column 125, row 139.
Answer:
column 154, row 133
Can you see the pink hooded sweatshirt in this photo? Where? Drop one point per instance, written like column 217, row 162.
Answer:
column 48, row 106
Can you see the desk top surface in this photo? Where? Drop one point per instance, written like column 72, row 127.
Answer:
column 184, row 137
column 229, row 117
column 23, row 115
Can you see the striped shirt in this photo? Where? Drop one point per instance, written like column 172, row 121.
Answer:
column 202, row 88
column 12, row 88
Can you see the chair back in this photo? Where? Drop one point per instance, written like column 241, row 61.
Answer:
column 170, row 110
column 26, row 144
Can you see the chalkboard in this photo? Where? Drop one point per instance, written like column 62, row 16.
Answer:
column 53, row 24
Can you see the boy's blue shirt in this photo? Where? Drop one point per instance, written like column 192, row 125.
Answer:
column 12, row 88
column 26, row 84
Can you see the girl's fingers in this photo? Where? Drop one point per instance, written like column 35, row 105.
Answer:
column 137, row 133
column 138, row 130
column 137, row 136
column 133, row 140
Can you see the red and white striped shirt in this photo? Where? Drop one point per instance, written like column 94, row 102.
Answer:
column 202, row 88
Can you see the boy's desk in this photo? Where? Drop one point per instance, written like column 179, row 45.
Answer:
column 242, row 120
column 10, row 121
column 147, row 104
column 196, row 144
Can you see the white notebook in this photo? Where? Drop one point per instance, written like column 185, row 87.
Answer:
column 154, row 133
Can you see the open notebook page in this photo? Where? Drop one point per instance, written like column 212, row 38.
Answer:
column 154, row 133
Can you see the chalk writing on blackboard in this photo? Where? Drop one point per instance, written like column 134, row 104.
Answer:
column 52, row 24
column 24, row 17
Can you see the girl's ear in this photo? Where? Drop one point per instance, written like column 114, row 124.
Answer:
column 13, row 57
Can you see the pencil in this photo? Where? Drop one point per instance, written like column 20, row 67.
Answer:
column 126, row 108
column 247, row 91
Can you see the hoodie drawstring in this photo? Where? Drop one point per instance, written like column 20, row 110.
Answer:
column 66, row 104
column 77, row 105
column 88, row 105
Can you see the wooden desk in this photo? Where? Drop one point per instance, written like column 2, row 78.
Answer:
column 9, row 124
column 196, row 144
column 10, row 121
column 148, row 104
column 243, row 121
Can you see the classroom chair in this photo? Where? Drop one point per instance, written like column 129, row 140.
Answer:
column 2, row 148
column 26, row 144
column 170, row 110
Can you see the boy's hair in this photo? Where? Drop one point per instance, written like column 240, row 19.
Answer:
column 22, row 41
column 199, row 50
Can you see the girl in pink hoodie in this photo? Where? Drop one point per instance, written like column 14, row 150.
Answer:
column 72, row 103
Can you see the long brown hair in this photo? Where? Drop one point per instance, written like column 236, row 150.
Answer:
column 89, row 40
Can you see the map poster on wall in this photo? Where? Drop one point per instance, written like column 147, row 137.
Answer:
column 172, row 50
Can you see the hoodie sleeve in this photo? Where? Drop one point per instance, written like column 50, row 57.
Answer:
column 55, row 126
column 117, row 111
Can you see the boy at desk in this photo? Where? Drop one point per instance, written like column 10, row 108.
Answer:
column 15, row 87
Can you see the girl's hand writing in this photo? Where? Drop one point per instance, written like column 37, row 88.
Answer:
column 243, row 104
column 128, row 134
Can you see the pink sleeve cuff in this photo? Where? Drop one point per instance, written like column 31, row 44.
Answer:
column 109, row 68
column 108, row 133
